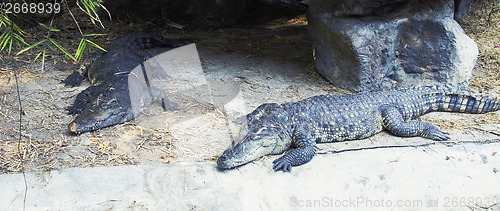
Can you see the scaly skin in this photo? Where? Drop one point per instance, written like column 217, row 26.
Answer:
column 295, row 128
column 119, row 87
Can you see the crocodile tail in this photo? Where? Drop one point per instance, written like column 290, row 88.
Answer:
column 468, row 103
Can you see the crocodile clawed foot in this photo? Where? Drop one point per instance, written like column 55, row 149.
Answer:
column 282, row 164
column 435, row 134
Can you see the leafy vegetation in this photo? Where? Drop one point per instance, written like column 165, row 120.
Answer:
column 12, row 34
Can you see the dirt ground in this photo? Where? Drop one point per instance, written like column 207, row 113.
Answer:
column 269, row 62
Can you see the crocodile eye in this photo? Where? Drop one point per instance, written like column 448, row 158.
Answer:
column 261, row 130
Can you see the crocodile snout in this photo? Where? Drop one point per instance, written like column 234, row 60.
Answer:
column 224, row 161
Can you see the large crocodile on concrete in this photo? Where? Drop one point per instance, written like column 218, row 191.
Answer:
column 296, row 127
column 120, row 86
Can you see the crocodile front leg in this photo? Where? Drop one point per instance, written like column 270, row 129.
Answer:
column 82, row 99
column 303, row 151
column 393, row 121
column 76, row 78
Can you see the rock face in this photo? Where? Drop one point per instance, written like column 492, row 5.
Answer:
column 372, row 45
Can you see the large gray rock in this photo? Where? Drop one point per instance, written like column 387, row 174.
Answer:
column 362, row 45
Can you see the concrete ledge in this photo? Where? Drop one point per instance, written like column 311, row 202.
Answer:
column 437, row 177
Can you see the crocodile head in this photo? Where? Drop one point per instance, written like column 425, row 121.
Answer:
column 265, row 135
column 105, row 110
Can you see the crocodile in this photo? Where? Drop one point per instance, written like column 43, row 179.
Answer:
column 120, row 86
column 294, row 128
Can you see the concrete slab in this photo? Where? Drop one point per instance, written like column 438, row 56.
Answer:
column 460, row 177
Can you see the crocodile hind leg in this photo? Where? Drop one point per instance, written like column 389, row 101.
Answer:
column 393, row 121
column 304, row 151
column 161, row 95
column 169, row 105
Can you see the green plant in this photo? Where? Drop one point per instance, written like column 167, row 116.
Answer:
column 12, row 34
